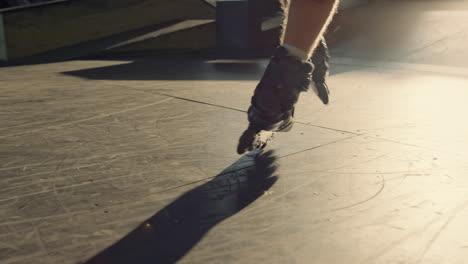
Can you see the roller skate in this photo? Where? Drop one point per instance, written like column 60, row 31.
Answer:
column 320, row 59
column 272, row 106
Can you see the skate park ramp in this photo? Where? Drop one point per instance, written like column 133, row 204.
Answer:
column 58, row 30
column 132, row 160
column 72, row 28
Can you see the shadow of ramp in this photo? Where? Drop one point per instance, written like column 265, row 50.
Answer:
column 173, row 68
column 170, row 234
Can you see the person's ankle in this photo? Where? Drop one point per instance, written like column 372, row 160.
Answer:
column 296, row 52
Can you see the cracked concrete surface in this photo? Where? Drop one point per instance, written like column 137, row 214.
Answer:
column 107, row 153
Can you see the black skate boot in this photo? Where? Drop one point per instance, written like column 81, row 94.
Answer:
column 320, row 59
column 272, row 106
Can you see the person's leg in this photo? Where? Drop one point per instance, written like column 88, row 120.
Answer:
column 288, row 73
column 302, row 48
column 306, row 20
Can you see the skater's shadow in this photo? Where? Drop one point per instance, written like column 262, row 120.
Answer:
column 174, row 230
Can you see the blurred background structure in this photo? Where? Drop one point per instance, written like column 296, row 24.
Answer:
column 68, row 29
column 120, row 119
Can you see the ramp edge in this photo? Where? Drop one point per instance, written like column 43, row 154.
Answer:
column 3, row 48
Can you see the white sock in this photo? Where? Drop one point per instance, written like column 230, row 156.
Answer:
column 296, row 52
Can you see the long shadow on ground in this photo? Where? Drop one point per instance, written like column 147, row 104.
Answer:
column 168, row 235
column 173, row 68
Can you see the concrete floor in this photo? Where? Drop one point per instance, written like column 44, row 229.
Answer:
column 139, row 156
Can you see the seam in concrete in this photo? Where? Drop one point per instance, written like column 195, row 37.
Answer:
column 400, row 66
column 3, row 48
column 299, row 122
column 243, row 111
column 411, row 52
